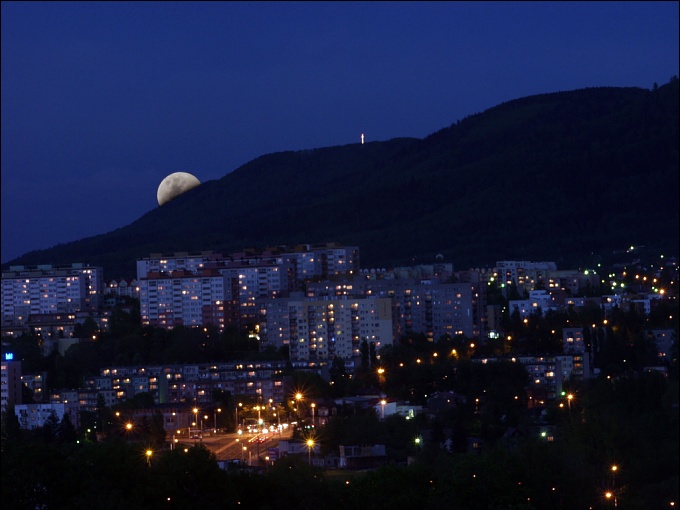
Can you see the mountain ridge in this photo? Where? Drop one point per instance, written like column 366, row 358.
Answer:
column 564, row 176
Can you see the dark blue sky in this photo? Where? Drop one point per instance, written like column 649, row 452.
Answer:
column 102, row 100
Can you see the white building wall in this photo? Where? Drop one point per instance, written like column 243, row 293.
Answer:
column 537, row 299
column 33, row 416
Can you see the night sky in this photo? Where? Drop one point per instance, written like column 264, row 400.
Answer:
column 102, row 100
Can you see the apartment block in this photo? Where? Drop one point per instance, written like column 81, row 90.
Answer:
column 33, row 416
column 321, row 329
column 573, row 341
column 10, row 382
column 517, row 271
column 48, row 291
column 538, row 299
column 419, row 305
column 213, row 289
column 548, row 374
column 191, row 383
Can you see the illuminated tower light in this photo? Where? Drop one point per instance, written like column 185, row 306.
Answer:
column 362, row 138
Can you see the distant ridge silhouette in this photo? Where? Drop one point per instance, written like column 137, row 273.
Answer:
column 568, row 176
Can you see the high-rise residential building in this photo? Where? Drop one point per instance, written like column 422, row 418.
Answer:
column 519, row 272
column 573, row 341
column 207, row 288
column 216, row 296
column 182, row 298
column 169, row 262
column 419, row 305
column 10, row 393
column 325, row 328
column 47, row 290
column 34, row 416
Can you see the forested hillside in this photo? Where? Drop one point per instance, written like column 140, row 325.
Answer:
column 569, row 176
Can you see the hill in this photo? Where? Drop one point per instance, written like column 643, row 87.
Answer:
column 568, row 176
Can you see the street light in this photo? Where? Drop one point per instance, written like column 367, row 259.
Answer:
column 195, row 411
column 298, row 397
column 148, row 453
column 614, row 469
column 215, row 418
column 382, row 408
column 310, row 445
column 313, row 405
column 240, row 404
column 609, row 495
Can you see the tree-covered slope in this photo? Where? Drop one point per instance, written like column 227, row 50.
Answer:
column 565, row 176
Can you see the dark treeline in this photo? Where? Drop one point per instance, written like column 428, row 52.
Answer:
column 627, row 421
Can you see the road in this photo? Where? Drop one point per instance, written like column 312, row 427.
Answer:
column 246, row 447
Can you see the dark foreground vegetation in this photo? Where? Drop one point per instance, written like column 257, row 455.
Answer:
column 627, row 420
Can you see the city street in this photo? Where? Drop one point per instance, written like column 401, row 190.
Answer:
column 245, row 447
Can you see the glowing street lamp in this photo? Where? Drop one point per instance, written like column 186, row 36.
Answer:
column 218, row 410
column 310, row 445
column 382, row 408
column 148, row 454
column 240, row 404
column 614, row 469
column 298, row 397
column 609, row 495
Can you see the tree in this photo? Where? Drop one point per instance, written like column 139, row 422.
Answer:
column 87, row 329
column 50, row 428
column 373, row 356
column 157, row 432
column 339, row 378
column 66, row 431
column 11, row 429
column 365, row 363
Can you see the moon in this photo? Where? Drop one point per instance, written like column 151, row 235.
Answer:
column 174, row 185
